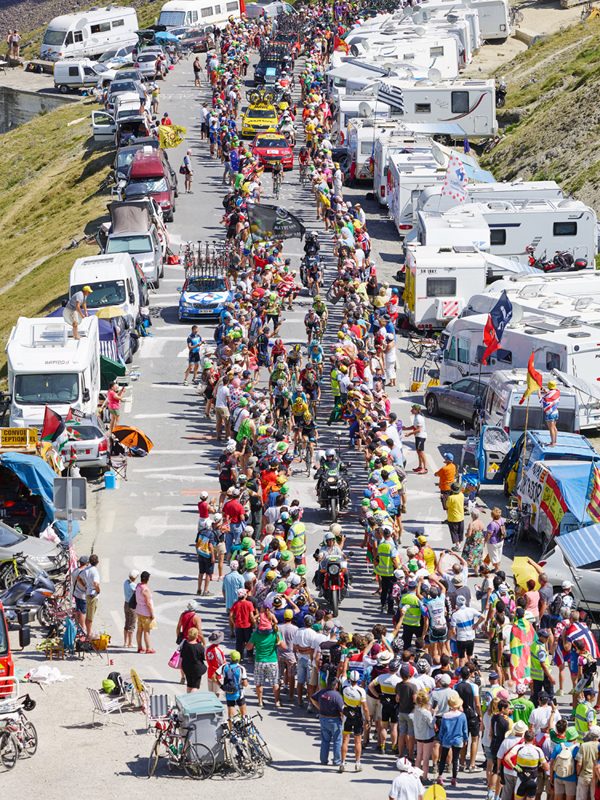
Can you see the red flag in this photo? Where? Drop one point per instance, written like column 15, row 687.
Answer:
column 340, row 44
column 53, row 426
column 498, row 319
column 534, row 379
column 490, row 340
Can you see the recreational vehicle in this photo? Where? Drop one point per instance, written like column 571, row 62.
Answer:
column 391, row 144
column 468, row 227
column 408, row 173
column 432, row 199
column 114, row 281
column 355, row 106
column 48, row 367
column 437, row 49
column 362, row 136
column 469, row 104
column 89, row 33
column 494, row 15
column 192, row 13
column 438, row 281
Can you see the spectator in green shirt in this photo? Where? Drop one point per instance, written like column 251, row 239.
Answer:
column 521, row 705
column 266, row 669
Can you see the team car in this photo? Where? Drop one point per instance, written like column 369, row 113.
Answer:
column 260, row 116
column 270, row 147
column 203, row 296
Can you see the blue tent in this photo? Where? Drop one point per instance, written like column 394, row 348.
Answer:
column 573, row 478
column 166, row 36
column 38, row 477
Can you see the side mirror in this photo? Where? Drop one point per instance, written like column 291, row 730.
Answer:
column 85, row 396
column 131, row 297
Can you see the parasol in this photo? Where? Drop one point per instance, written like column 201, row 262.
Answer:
column 132, row 437
column 525, row 569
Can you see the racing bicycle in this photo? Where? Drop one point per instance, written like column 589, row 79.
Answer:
column 173, row 741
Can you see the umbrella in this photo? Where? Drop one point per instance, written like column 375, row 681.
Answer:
column 166, row 36
column 132, row 437
column 108, row 312
column 524, row 569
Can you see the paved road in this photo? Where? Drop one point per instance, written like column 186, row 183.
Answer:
column 150, row 521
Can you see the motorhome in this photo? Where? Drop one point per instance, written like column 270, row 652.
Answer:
column 432, row 199
column 437, row 49
column 566, row 344
column 115, row 280
column 468, row 227
column 494, row 15
column 362, row 136
column 193, row 13
column 355, row 106
column 388, row 143
column 48, row 367
column 437, row 282
column 89, row 33
column 467, row 103
column 407, row 173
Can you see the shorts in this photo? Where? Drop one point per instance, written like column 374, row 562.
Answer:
column 526, row 788
column 145, row 624
column 221, row 549
column 473, row 727
column 239, row 701
column 353, row 722
column 405, row 724
column 374, row 706
column 71, row 316
column 419, row 444
column 389, row 710
column 274, row 318
column 551, row 416
column 561, row 786
column 437, row 634
column 91, row 604
column 221, row 414
column 457, row 531
column 303, row 669
column 194, row 358
column 465, row 648
column 487, row 752
column 80, row 604
column 313, row 678
column 205, row 566
column 266, row 674
column 193, row 681
column 129, row 618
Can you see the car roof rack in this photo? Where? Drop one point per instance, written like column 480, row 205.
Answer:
column 272, row 51
column 205, row 259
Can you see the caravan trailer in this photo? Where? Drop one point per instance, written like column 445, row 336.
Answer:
column 438, row 281
column 386, row 146
column 408, row 173
column 494, row 15
column 432, row 199
column 194, row 13
column 437, row 49
column 468, row 104
column 89, row 34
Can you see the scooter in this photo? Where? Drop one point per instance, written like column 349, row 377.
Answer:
column 30, row 595
column 561, row 262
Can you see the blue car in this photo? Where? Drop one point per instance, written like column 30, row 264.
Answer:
column 204, row 297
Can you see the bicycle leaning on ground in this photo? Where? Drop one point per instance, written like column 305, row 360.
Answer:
column 174, row 742
column 245, row 752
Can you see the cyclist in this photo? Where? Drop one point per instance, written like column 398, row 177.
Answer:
column 310, row 436
column 316, row 356
column 311, row 244
column 281, row 404
column 310, row 385
column 294, row 361
column 303, row 160
column 299, row 409
column 320, row 309
column 277, row 175
column 312, row 325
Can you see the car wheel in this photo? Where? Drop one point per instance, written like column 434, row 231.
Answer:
column 431, row 404
column 63, row 89
column 476, row 422
column 157, row 283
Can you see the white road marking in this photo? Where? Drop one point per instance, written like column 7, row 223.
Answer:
column 152, row 347
column 163, row 415
column 162, row 296
column 148, row 470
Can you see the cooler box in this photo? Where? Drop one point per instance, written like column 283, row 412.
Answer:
column 205, row 712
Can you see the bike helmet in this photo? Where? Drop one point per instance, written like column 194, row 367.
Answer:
column 354, row 676
column 330, row 453
column 235, row 655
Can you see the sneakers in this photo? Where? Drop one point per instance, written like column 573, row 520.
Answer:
column 381, row 749
column 358, row 767
column 342, row 767
column 185, row 383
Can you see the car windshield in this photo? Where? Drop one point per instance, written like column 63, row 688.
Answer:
column 206, row 284
column 148, row 186
column 136, row 243
column 107, row 56
column 171, row 19
column 44, row 390
column 124, row 158
column 8, row 537
column 128, row 74
column 104, row 293
column 54, row 38
column 99, row 68
column 262, row 113
column 146, row 57
column 268, row 142
column 122, row 86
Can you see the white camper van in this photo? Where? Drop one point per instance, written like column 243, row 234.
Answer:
column 439, row 49
column 408, row 173
column 48, row 367
column 388, row 145
column 432, row 199
column 494, row 15
column 74, row 74
column 439, row 280
column 89, row 33
column 463, row 225
column 355, row 106
column 114, row 281
column 362, row 136
column 192, row 13
column 469, row 105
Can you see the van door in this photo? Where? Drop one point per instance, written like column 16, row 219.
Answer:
column 103, row 126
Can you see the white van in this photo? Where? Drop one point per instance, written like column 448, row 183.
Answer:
column 89, row 33
column 502, row 407
column 77, row 74
column 48, row 367
column 114, row 281
column 191, row 13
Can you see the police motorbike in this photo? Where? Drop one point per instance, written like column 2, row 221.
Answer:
column 32, row 595
column 333, row 580
column 332, row 489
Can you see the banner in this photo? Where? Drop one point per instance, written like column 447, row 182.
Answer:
column 553, row 504
column 273, row 222
column 170, row 135
column 455, row 182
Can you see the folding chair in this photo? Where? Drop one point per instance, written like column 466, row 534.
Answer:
column 119, row 465
column 104, row 706
column 158, row 708
column 138, row 692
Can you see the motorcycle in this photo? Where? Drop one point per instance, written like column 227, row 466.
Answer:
column 501, row 94
column 32, row 595
column 561, row 262
column 309, row 263
column 335, row 582
column 332, row 493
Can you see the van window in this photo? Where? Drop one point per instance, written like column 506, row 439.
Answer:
column 100, row 27
column 78, row 36
column 452, row 350
column 118, row 23
column 463, row 351
column 441, row 287
column 422, row 108
column 194, row 16
column 564, row 228
column 459, row 102
column 552, row 361
column 51, row 388
column 409, row 57
column 505, row 356
column 497, row 236
column 217, row 9
column 207, row 12
column 435, row 52
column 73, row 72
column 232, row 6
column 69, row 39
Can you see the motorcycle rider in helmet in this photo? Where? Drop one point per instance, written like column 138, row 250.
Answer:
column 332, row 466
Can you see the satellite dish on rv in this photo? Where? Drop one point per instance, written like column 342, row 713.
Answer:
column 404, row 72
column 364, row 110
column 420, row 31
column 452, row 18
column 439, row 155
column 434, row 74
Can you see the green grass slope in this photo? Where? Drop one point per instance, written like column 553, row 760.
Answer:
column 552, row 114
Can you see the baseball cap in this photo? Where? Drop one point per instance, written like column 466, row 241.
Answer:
column 288, row 614
column 448, row 457
column 444, row 679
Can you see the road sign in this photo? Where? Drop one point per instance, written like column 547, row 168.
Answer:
column 70, row 498
column 18, row 438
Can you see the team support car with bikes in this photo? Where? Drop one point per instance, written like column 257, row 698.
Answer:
column 203, row 296
column 269, row 147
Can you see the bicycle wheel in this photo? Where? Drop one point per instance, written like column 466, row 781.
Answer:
column 30, row 738
column 257, row 763
column 308, row 456
column 264, row 747
column 198, row 761
column 9, row 749
column 229, row 756
column 153, row 758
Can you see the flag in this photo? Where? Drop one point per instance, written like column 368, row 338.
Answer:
column 340, row 44
column 392, row 95
column 455, row 182
column 498, row 319
column 576, row 631
column 53, row 429
column 273, row 222
column 170, row 135
column 534, row 380
column 521, row 637
column 593, row 508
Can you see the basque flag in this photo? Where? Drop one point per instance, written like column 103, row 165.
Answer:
column 498, row 319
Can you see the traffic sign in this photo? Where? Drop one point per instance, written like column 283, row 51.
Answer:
column 70, row 498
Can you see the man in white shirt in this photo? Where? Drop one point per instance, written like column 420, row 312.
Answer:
column 407, row 785
column 222, row 407
column 544, row 716
column 92, row 590
column 463, row 624
column 419, row 431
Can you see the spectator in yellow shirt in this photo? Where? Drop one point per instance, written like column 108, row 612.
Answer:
column 455, row 509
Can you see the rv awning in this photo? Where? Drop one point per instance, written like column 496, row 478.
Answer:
column 573, row 477
column 431, row 128
column 592, row 390
column 582, row 547
column 349, row 71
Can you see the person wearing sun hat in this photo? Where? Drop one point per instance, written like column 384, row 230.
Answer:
column 452, row 735
column 550, row 399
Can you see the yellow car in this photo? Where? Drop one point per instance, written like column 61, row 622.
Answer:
column 260, row 117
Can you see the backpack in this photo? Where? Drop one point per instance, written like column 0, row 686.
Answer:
column 556, row 605
column 564, row 763
column 231, row 679
column 132, row 602
column 118, row 683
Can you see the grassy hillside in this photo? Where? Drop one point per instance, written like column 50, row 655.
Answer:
column 51, row 195
column 552, row 116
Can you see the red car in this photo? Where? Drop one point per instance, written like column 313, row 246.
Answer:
column 273, row 147
column 149, row 176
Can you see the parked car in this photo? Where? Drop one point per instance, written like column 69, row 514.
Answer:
column 129, row 75
column 117, row 57
column 150, row 171
column 121, row 87
column 125, row 155
column 89, row 443
column 198, row 41
column 585, row 577
column 146, row 64
column 42, row 554
column 459, row 399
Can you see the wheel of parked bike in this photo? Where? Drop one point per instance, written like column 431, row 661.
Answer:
column 153, row 758
column 30, row 739
column 10, row 574
column 9, row 750
column 198, row 761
